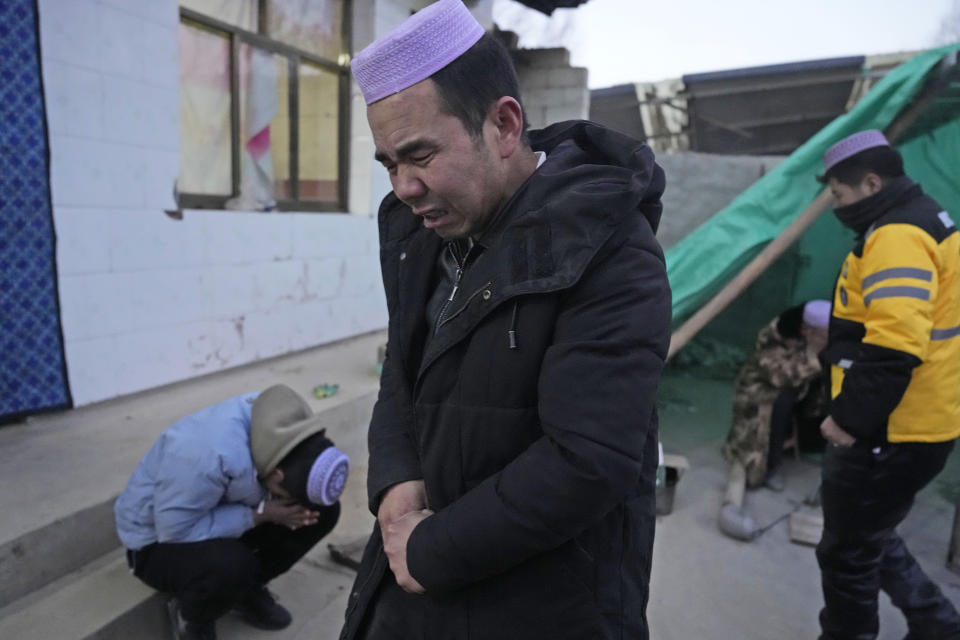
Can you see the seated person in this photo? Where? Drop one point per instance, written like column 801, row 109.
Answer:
column 226, row 500
column 780, row 383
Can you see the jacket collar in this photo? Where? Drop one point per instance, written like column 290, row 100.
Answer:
column 860, row 215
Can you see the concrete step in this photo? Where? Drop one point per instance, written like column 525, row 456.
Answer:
column 62, row 574
column 98, row 601
column 102, row 601
column 315, row 591
column 41, row 556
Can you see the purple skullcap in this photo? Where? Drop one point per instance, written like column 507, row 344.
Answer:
column 816, row 313
column 420, row 46
column 852, row 145
column 328, row 475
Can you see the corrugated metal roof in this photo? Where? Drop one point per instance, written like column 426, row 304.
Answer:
column 766, row 110
column 777, row 69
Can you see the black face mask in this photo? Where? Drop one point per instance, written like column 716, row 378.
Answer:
column 860, row 215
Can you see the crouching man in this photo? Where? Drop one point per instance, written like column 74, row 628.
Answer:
column 226, row 500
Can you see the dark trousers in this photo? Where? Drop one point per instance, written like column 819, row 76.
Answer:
column 211, row 576
column 866, row 494
column 397, row 615
column 781, row 423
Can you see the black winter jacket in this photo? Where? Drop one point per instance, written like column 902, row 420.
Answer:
column 539, row 461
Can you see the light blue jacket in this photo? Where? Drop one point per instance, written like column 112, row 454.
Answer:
column 197, row 482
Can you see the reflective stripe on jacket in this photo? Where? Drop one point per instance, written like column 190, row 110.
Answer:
column 895, row 333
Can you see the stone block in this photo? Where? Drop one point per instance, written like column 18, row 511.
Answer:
column 121, row 43
column 81, row 246
column 74, row 99
column 567, row 77
column 70, row 32
column 553, row 57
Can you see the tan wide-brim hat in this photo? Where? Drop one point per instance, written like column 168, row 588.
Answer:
column 280, row 420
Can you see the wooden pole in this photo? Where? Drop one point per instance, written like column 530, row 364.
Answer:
column 788, row 236
column 751, row 272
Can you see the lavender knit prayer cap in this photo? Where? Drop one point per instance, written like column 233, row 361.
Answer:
column 328, row 475
column 852, row 145
column 420, row 46
column 816, row 313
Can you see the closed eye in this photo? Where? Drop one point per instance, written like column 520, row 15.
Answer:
column 422, row 158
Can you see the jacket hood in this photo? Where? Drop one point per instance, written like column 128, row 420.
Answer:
column 595, row 165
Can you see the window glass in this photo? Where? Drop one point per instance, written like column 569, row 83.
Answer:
column 204, row 111
column 315, row 26
column 239, row 13
column 319, row 140
column 264, row 126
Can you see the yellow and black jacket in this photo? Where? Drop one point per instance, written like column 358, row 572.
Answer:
column 894, row 345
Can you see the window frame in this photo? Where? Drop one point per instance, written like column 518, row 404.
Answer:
column 236, row 37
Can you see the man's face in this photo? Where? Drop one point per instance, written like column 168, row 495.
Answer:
column 845, row 194
column 450, row 179
column 815, row 337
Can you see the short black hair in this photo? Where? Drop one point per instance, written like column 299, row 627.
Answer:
column 886, row 162
column 296, row 465
column 474, row 81
column 790, row 321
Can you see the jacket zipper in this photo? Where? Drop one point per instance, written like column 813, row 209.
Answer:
column 461, row 261
column 465, row 305
column 453, row 294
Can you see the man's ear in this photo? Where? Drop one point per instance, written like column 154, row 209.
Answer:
column 507, row 116
column 873, row 183
column 276, row 475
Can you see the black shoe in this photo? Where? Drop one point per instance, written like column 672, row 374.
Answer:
column 183, row 630
column 260, row 610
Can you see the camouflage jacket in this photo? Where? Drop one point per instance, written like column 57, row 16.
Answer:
column 777, row 363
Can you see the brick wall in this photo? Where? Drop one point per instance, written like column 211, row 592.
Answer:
column 552, row 90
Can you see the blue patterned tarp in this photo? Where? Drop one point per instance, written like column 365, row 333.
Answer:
column 32, row 372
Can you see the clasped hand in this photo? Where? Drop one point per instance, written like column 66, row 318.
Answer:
column 402, row 508
column 286, row 513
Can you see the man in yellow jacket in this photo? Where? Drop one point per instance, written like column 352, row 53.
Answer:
column 894, row 355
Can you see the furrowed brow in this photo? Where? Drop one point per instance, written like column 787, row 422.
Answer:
column 405, row 150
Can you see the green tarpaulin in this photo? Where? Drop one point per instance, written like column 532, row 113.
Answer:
column 709, row 257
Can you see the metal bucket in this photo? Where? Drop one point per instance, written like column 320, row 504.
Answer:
column 666, row 492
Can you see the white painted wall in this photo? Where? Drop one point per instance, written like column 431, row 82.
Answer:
column 147, row 300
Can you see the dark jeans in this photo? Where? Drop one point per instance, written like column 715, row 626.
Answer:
column 866, row 493
column 211, row 576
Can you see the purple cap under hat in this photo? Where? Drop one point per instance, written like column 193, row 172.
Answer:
column 852, row 145
column 420, row 46
column 328, row 475
column 816, row 313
